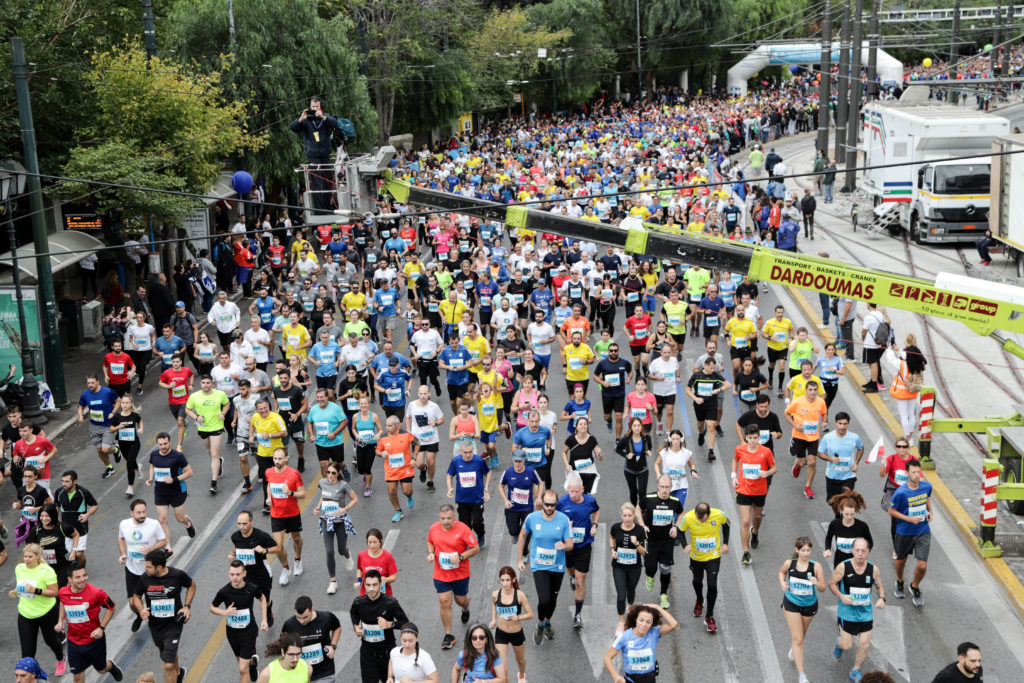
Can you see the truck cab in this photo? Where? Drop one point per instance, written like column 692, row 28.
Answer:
column 951, row 200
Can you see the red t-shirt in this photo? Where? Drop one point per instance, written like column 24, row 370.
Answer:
column 39, row 447
column 447, row 546
column 178, row 379
column 748, row 481
column 278, row 484
column 648, row 404
column 323, row 232
column 639, row 328
column 83, row 611
column 385, row 564
column 117, row 366
column 276, row 256
column 896, row 469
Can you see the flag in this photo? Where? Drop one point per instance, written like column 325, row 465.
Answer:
column 877, row 451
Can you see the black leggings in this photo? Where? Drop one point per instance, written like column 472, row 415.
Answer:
column 637, row 484
column 472, row 515
column 262, row 465
column 28, row 634
column 652, row 567
column 544, row 472
column 699, row 569
column 547, row 584
column 365, row 455
column 130, row 451
column 831, row 389
column 626, row 578
column 429, row 374
column 606, row 314
column 336, row 535
column 141, row 360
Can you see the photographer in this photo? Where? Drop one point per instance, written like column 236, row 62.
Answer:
column 317, row 129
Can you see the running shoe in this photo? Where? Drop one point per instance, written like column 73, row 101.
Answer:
column 481, row 541
column 138, row 392
column 128, row 493
column 301, row 466
column 465, row 616
column 753, row 538
column 332, row 587
column 700, row 439
column 246, row 487
column 837, row 652
column 254, row 668
column 856, row 675
column 297, row 567
column 870, row 390
column 649, row 583
column 659, row 431
column 213, row 488
column 796, row 471
column 508, row 431
column 718, row 430
column 367, row 493
column 899, row 592
column 266, row 509
column 181, row 674
column 191, row 530
column 809, row 493
column 663, row 601
column 780, row 394
column 538, row 635
column 577, row 622
column 881, row 386
column 411, row 501
column 397, row 517
column 423, row 474
column 448, row 641
column 746, row 557
column 789, row 655
column 116, row 673
column 136, row 624
column 285, row 576
column 917, row 598
column 117, row 454
column 349, row 563
column 549, row 632
column 698, row 609
column 609, row 425
column 108, row 472
column 711, row 455
column 803, row 678
column 710, row 625
column 62, row 668
column 3, row 530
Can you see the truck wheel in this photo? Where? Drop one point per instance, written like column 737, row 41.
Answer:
column 1011, row 475
column 915, row 230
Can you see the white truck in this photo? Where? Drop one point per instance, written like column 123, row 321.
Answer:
column 1005, row 215
column 932, row 199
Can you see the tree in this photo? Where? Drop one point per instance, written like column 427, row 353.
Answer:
column 578, row 67
column 285, row 52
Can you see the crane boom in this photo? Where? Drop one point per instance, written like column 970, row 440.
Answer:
column 983, row 314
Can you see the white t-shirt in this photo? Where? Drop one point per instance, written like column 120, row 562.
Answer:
column 427, row 434
column 541, row 337
column 667, row 368
column 676, row 464
column 871, row 322
column 356, row 355
column 549, row 420
column 259, row 340
column 239, row 352
column 504, row 318
column 428, row 342
column 140, row 336
column 223, row 380
column 136, row 537
column 402, row 665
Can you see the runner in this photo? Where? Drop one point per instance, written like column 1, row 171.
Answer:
column 674, row 313
column 168, row 470
column 454, row 359
column 469, row 482
column 374, row 619
column 375, row 557
column 119, row 369
column 334, row 521
column 35, row 451
column 423, row 418
column 807, row 415
column 326, row 425
column 292, row 406
column 267, row 430
column 164, row 600
column 802, row 579
column 638, row 644
column 178, row 382
column 797, row 385
column 208, row 407
column 894, row 470
column 712, row 308
column 581, row 453
column 240, row 598
column 244, row 404
column 674, row 460
column 635, row 447
column 284, row 485
column 829, row 368
column 509, row 608
column 54, row 538
column 664, row 371
column 709, row 540
column 325, row 355
column 76, row 505
column 409, row 663
column 742, row 335
column 450, row 545
column 852, row 582
column 583, row 513
column 638, row 331
column 318, row 633
column 400, row 451
column 251, row 546
column 661, row 510
column 540, row 334
column 393, row 385
column 846, row 528
column 752, row 464
column 613, row 374
column 842, row 449
column 576, row 356
column 136, row 536
column 100, row 403
column 911, row 504
column 425, row 344
column 36, row 591
column 549, row 533
column 703, row 388
column 627, row 542
column 777, row 331
column 479, row 658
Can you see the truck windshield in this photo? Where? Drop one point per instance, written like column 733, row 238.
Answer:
column 962, row 179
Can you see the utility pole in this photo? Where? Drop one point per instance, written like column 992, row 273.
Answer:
column 639, row 64
column 52, row 358
column 874, row 38
column 231, row 23
column 853, row 108
column 149, row 28
column 954, row 48
column 843, row 83
column 1005, row 71
column 996, row 38
column 825, row 80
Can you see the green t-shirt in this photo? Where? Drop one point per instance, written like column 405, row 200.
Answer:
column 801, row 351
column 444, row 280
column 356, row 327
column 601, row 348
column 675, row 317
column 208, row 406
column 697, row 280
column 30, row 605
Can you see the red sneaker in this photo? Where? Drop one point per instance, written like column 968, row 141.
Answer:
column 808, row 492
column 796, row 471
column 709, row 623
column 698, row 609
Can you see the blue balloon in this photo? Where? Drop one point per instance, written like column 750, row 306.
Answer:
column 241, row 182
column 794, row 68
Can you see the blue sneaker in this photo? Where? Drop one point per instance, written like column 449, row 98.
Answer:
column 837, row 652
column 411, row 501
column 397, row 517
column 856, row 675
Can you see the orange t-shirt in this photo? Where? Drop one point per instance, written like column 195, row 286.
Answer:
column 397, row 451
column 753, row 467
column 582, row 325
column 808, row 414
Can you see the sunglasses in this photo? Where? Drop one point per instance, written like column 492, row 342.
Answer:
column 479, row 637
column 902, row 445
column 549, row 505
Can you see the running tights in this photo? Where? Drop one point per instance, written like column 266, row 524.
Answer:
column 626, row 578
column 699, row 569
column 637, row 484
column 130, row 451
column 547, row 584
column 29, row 629
column 429, row 374
column 336, row 535
column 652, row 567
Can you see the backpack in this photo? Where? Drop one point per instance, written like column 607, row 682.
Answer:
column 112, row 333
column 224, row 257
column 882, row 333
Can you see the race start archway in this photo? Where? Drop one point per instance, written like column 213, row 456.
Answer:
column 890, row 69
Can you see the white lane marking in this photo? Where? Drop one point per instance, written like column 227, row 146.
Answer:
column 600, row 613
column 391, row 539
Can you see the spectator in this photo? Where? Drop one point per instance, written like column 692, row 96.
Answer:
column 317, row 130
column 184, row 288
column 829, row 183
column 205, row 273
column 138, row 301
column 112, row 293
column 983, row 245
column 87, row 268
column 161, row 302
column 807, row 207
column 770, row 161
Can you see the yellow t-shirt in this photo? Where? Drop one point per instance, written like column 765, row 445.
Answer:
column 478, row 348
column 413, row 271
column 739, row 331
column 452, row 313
column 297, row 247
column 779, row 333
column 487, row 412
column 353, row 301
column 295, row 336
column 262, row 428
column 798, row 385
column 675, row 315
column 705, row 537
column 495, row 380
column 576, row 362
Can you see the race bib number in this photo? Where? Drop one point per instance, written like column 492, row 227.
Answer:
column 845, row 545
column 751, row 471
column 79, row 614
column 627, row 555
column 117, row 368
column 179, row 391
column 352, row 404
column 520, row 497
column 614, row 380
column 506, row 612
column 640, row 333
column 126, row 434
column 586, row 464
column 50, row 556
column 467, row 480
column 861, row 596
column 674, row 471
column 810, row 427
column 313, row 654
column 661, row 517
column 96, row 415
column 675, row 320
column 428, row 434
column 365, row 434
column 240, row 619
column 457, row 363
column 578, row 534
column 900, row 477
column 329, row 507
column 711, row 320
column 917, row 511
column 162, row 474
column 396, row 460
column 705, row 389
column 373, row 633
column 165, row 358
column 779, row 337
column 747, row 395
column 706, row 544
column 575, row 363
column 845, row 464
column 263, row 440
column 279, row 491
column 532, row 454
column 544, row 557
column 293, row 340
column 800, row 587
column 638, row 412
column 487, row 409
column 246, row 556
column 642, row 659
column 448, row 561
column 764, row 435
column 284, row 404
column 387, row 299
column 162, row 608
column 26, row 589
column 633, row 296
column 433, row 307
column 322, row 429
column 741, row 342
column 393, row 395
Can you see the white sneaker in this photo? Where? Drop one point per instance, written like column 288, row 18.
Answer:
column 284, row 576
column 129, row 492
column 790, row 655
column 332, row 588
column 297, row 568
column 349, row 563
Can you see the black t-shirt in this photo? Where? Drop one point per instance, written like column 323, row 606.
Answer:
column 246, row 601
column 746, row 288
column 580, row 451
column 34, row 498
column 365, row 611
column 255, row 566
column 164, row 595
column 609, row 368
column 534, row 372
column 52, row 541
column 665, row 287
column 127, row 429
column 656, row 515
column 315, row 636
column 745, row 382
column 622, row 540
column 522, row 289
column 466, row 283
column 168, row 466
column 71, row 505
column 845, row 536
column 952, row 674
column 288, row 401
column 769, row 423
column 699, row 383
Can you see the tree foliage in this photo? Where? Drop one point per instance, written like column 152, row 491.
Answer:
column 586, row 57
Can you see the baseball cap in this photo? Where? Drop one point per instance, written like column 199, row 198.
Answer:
column 180, row 304
column 393, row 361
column 518, row 454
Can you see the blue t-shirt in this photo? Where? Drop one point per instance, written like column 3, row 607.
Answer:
column 327, row 355
column 381, row 362
column 469, row 478
column 716, row 305
column 266, row 311
column 532, row 445
column 167, row 348
column 100, row 405
column 577, row 410
column 639, row 653
column 828, row 370
column 544, row 533
column 844, row 447
column 396, row 243
column 478, row 671
column 579, row 515
column 519, row 487
column 560, row 315
column 386, row 299
column 325, row 421
column 394, row 387
column 912, row 502
column 485, row 292
column 457, row 359
column 337, row 250
column 541, row 299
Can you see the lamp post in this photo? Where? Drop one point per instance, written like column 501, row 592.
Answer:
column 11, row 179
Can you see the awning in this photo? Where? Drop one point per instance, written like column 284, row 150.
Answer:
column 82, row 244
column 221, row 189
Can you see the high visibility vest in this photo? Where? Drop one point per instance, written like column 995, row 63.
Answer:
column 898, row 389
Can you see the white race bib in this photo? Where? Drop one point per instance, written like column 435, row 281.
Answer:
column 448, row 561
column 240, row 619
column 751, row 471
column 544, row 557
column 800, row 587
column 627, row 555
column 162, row 608
column 396, row 460
column 705, row 544
column 246, row 556
column 79, row 614
column 467, row 480
column 279, row 491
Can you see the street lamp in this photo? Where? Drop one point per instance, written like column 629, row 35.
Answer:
column 12, row 183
